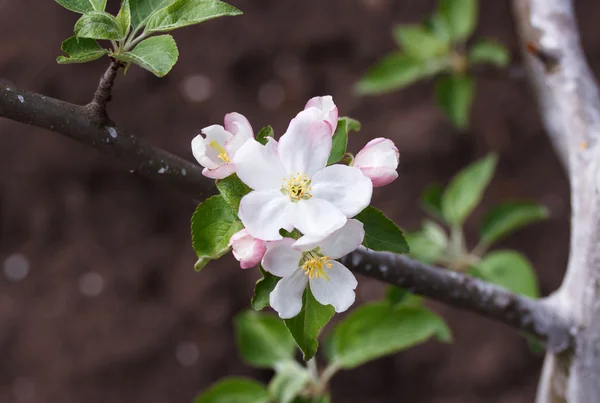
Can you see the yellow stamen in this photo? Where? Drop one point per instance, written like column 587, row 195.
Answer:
column 297, row 187
column 222, row 152
column 315, row 264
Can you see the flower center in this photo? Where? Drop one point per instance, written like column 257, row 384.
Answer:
column 222, row 152
column 314, row 265
column 297, row 187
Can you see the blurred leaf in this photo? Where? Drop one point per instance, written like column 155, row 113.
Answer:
column 435, row 233
column 431, row 199
column 509, row 217
column 488, row 51
column 141, row 10
column 438, row 24
column 99, row 25
column 377, row 329
column 454, row 95
column 124, row 16
column 233, row 189
column 466, row 189
column 396, row 71
column 401, row 296
column 263, row 135
column 157, row 55
column 381, row 234
column 461, row 16
column 83, row 6
column 511, row 270
column 288, row 382
column 340, row 138
column 262, row 339
column 80, row 50
column 263, row 289
column 422, row 248
column 183, row 13
column 419, row 42
column 235, row 390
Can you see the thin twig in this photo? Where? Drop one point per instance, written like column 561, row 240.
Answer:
column 103, row 93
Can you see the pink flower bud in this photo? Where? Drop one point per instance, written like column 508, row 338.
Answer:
column 246, row 249
column 378, row 160
column 328, row 109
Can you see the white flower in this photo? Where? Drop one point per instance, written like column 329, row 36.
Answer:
column 329, row 111
column 379, row 161
column 293, row 188
column 216, row 151
column 310, row 261
column 246, row 249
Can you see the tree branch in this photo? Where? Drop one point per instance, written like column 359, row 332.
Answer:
column 103, row 93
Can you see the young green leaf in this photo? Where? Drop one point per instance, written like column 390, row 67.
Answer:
column 454, row 95
column 263, row 289
column 233, row 189
column 438, row 24
column 157, row 55
column 83, row 6
column 213, row 224
column 423, row 248
column 80, row 50
column 188, row 12
column 511, row 270
column 488, row 51
column 466, row 189
column 420, row 42
column 288, row 382
column 263, row 340
column 461, row 16
column 340, row 138
column 263, row 135
column 509, row 217
column 99, row 25
column 235, row 390
column 400, row 296
column 305, row 326
column 124, row 16
column 381, row 234
column 431, row 200
column 141, row 10
column 396, row 71
column 378, row 329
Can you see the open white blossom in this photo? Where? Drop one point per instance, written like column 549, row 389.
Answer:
column 311, row 261
column 293, row 187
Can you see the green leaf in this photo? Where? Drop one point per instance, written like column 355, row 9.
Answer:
column 396, row 71
column 157, row 54
column 213, row 224
column 289, row 381
column 141, row 10
column 80, row 50
column 509, row 217
column 83, row 6
column 188, row 12
column 99, row 25
column 511, row 270
column 340, row 138
column 431, row 200
column 466, row 189
column 263, row 135
column 454, row 95
column 201, row 263
column 378, row 329
column 124, row 16
column 435, row 233
column 263, row 289
column 305, row 326
column 420, row 42
column 423, row 248
column 235, row 390
column 488, row 51
column 437, row 24
column 263, row 340
column 461, row 16
column 401, row 296
column 381, row 234
column 233, row 189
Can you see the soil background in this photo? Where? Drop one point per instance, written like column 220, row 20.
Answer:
column 111, row 310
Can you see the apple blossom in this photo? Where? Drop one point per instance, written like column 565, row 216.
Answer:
column 246, row 249
column 311, row 261
column 293, row 187
column 329, row 111
column 379, row 161
column 216, row 151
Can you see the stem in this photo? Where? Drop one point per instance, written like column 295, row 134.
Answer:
column 326, row 376
column 312, row 367
column 103, row 94
column 134, row 42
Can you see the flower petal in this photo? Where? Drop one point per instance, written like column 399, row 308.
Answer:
column 206, row 156
column 220, row 172
column 305, row 146
column 345, row 187
column 343, row 241
column 259, row 166
column 380, row 176
column 327, row 107
column 238, row 125
column 286, row 298
column 281, row 259
column 379, row 152
column 337, row 290
column 246, row 249
column 317, row 217
column 264, row 213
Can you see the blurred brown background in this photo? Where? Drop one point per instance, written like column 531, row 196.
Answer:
column 98, row 298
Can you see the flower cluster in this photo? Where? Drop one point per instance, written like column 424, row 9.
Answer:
column 293, row 189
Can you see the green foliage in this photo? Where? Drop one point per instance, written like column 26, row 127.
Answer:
column 289, row 380
column 124, row 16
column 141, row 10
column 83, row 6
column 157, row 54
column 235, row 390
column 99, row 25
column 183, row 13
column 454, row 95
column 431, row 200
column 263, row 135
column 511, row 270
column 466, row 189
column 80, row 50
column 488, row 51
column 427, row 244
column 305, row 326
column 263, row 340
column 400, row 296
column 263, row 289
column 509, row 217
column 381, row 234
column 461, row 17
column 233, row 189
column 378, row 329
column 420, row 42
column 340, row 138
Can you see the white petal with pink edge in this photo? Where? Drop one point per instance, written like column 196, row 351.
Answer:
column 347, row 188
column 259, row 166
column 341, row 242
column 246, row 249
column 286, row 298
column 281, row 259
column 327, row 107
column 379, row 161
